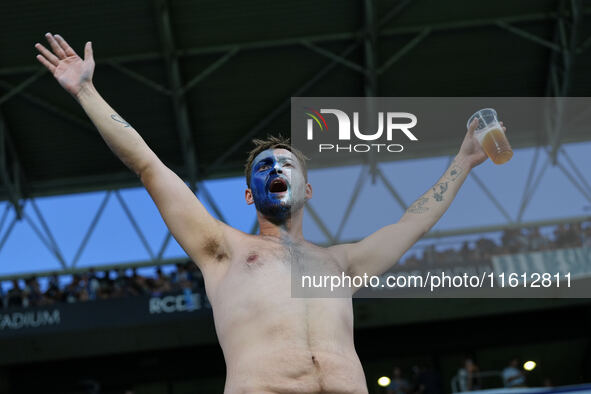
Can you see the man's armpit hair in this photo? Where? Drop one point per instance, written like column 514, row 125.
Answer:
column 273, row 142
column 213, row 249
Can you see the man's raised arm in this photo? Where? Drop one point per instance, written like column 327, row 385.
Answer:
column 200, row 235
column 378, row 252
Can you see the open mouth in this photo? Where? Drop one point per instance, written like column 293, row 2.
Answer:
column 278, row 185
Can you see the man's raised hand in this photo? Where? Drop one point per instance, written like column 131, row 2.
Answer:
column 72, row 73
column 471, row 148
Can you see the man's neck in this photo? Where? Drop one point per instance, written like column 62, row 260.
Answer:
column 290, row 227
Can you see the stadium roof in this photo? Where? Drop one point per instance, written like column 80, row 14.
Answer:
column 198, row 80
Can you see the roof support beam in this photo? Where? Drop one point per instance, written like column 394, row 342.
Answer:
column 392, row 190
column 325, row 38
column 404, row 50
column 354, row 195
column 395, row 11
column 23, row 85
column 333, row 56
column 276, row 112
column 320, row 223
column 370, row 84
column 576, row 170
column 176, row 84
column 559, row 73
column 50, row 242
column 74, row 119
column 210, row 69
column 430, row 235
column 528, row 36
column 491, row 196
column 91, row 228
column 140, row 78
column 10, row 170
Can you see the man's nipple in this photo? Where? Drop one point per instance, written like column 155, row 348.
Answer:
column 252, row 257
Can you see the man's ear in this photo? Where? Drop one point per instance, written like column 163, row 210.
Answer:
column 248, row 197
column 308, row 191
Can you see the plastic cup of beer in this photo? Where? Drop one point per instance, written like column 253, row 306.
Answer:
column 491, row 136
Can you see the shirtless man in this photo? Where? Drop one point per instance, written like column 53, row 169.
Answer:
column 272, row 343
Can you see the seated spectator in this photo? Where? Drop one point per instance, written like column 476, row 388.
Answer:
column 15, row 295
column 429, row 254
column 485, row 248
column 577, row 234
column 587, row 237
column 93, row 285
column 121, row 284
column 2, row 297
column 161, row 283
column 32, row 295
column 70, row 293
column 560, row 236
column 412, row 261
column 514, row 241
column 535, row 240
column 512, row 375
column 138, row 283
column 182, row 278
column 53, row 293
column 106, row 285
column 468, row 376
column 466, row 252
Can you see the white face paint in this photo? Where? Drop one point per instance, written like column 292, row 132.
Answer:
column 278, row 183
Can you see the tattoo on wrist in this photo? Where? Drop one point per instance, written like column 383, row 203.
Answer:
column 455, row 171
column 439, row 190
column 119, row 119
column 419, row 206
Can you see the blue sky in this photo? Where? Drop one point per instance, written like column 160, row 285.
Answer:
column 114, row 239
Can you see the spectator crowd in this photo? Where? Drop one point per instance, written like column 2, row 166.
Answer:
column 425, row 379
column 520, row 240
column 91, row 285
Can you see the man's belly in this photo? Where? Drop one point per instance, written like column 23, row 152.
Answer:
column 290, row 345
column 276, row 343
column 285, row 369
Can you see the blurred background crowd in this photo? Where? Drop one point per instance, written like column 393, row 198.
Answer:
column 423, row 378
column 92, row 285
column 154, row 281
column 520, row 240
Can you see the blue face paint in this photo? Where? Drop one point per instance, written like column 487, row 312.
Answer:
column 277, row 184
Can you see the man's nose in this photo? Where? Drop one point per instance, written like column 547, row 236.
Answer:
column 277, row 168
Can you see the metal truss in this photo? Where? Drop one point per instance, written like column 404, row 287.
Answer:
column 566, row 35
column 39, row 226
column 563, row 48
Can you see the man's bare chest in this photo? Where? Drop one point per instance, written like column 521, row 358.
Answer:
column 283, row 256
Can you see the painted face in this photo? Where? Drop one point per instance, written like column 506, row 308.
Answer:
column 277, row 183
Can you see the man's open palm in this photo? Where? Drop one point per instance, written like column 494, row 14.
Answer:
column 67, row 67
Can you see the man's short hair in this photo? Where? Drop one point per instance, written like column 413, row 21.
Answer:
column 272, row 142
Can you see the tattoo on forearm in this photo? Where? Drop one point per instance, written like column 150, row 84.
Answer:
column 419, row 206
column 119, row 119
column 455, row 171
column 439, row 190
